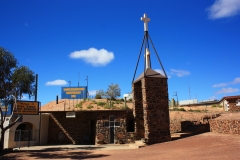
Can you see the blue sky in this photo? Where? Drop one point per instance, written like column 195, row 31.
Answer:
column 198, row 42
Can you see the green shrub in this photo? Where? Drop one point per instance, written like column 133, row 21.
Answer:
column 79, row 105
column 182, row 109
column 101, row 103
column 106, row 106
column 89, row 107
column 123, row 107
column 197, row 110
column 217, row 106
column 98, row 96
column 114, row 107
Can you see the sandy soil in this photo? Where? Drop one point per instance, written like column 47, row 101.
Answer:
column 203, row 146
column 72, row 104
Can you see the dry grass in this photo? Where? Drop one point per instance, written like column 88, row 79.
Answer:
column 79, row 104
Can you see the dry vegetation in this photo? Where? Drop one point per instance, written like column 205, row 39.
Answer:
column 85, row 104
column 176, row 114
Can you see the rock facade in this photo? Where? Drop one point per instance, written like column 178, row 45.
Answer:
column 138, row 110
column 225, row 126
column 89, row 128
column 233, row 105
column 151, row 111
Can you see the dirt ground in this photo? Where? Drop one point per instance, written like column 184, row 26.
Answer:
column 202, row 146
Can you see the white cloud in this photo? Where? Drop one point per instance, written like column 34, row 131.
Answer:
column 179, row 73
column 57, row 82
column 220, row 85
column 235, row 81
column 224, row 8
column 93, row 92
column 93, row 56
column 212, row 98
column 227, row 90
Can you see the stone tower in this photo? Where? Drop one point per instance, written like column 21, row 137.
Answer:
column 150, row 99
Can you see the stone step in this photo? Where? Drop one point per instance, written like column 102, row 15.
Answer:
column 133, row 145
column 137, row 144
column 180, row 134
column 140, row 143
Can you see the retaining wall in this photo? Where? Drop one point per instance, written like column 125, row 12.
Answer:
column 225, row 126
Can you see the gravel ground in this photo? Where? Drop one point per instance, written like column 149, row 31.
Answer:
column 203, row 146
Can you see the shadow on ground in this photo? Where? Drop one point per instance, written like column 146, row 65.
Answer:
column 191, row 128
column 53, row 153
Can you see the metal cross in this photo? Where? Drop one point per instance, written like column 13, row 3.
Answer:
column 145, row 19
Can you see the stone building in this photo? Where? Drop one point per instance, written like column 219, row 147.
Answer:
column 148, row 119
column 150, row 98
column 91, row 127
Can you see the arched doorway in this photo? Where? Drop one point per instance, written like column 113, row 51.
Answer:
column 24, row 132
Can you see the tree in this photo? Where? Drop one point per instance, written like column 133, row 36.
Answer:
column 99, row 94
column 14, row 82
column 113, row 92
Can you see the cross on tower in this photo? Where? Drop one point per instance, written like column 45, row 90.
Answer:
column 145, row 19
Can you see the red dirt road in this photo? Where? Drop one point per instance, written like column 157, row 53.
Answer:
column 203, row 146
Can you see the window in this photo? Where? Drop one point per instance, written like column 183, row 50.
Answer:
column 130, row 125
column 111, row 122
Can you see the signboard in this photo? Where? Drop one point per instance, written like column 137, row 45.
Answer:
column 27, row 107
column 7, row 108
column 74, row 92
column 70, row 115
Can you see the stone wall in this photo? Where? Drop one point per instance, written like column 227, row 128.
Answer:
column 138, row 109
column 191, row 127
column 156, row 110
column 151, row 111
column 225, row 126
column 121, row 135
column 88, row 127
column 233, row 107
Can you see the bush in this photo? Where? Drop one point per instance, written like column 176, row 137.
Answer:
column 106, row 106
column 217, row 106
column 89, row 107
column 177, row 109
column 98, row 96
column 79, row 105
column 101, row 103
column 123, row 107
column 182, row 109
column 114, row 107
column 197, row 110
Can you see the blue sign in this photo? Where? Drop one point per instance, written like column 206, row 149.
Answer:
column 6, row 109
column 74, row 92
